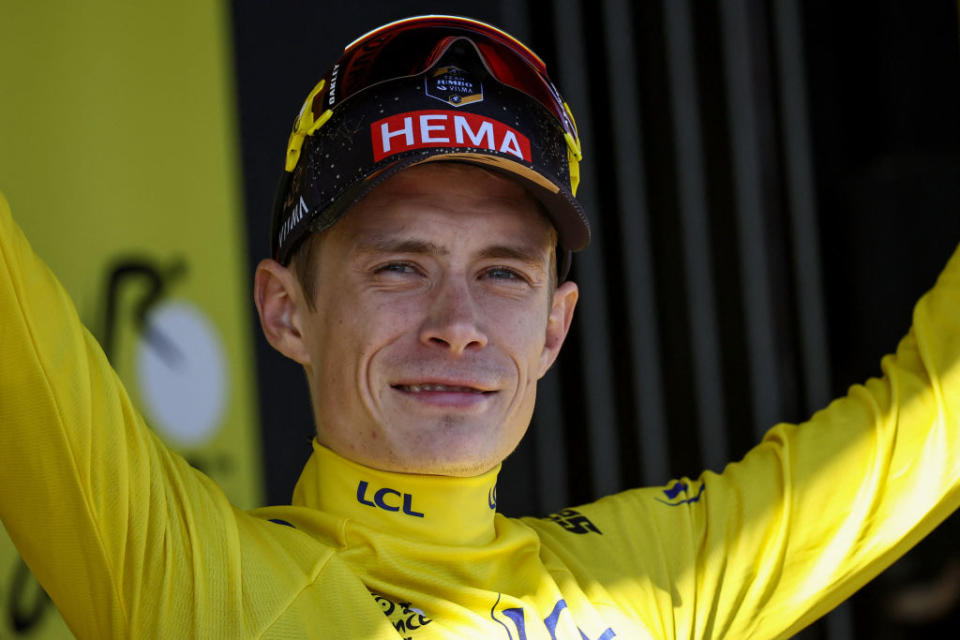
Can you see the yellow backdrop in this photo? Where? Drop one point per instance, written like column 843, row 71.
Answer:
column 118, row 155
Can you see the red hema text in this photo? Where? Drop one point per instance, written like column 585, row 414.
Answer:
column 421, row 129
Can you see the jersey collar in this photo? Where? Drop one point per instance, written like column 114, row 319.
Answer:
column 433, row 509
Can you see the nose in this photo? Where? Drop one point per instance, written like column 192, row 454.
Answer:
column 453, row 320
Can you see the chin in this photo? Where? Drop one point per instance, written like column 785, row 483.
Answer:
column 452, row 454
column 461, row 468
column 447, row 462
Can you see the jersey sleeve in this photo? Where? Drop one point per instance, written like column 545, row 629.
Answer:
column 122, row 533
column 806, row 518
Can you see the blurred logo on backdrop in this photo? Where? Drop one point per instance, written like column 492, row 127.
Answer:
column 181, row 369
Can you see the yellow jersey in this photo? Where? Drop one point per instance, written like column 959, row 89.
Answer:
column 130, row 541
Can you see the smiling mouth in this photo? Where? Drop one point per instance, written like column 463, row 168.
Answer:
column 442, row 388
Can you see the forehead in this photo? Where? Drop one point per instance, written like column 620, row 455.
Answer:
column 449, row 195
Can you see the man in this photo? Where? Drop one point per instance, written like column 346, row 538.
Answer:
column 435, row 311
column 422, row 235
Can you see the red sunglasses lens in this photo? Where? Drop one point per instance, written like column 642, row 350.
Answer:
column 523, row 78
column 410, row 48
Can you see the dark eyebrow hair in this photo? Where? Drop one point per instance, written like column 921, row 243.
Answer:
column 528, row 256
column 400, row 245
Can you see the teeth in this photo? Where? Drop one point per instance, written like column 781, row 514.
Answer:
column 417, row 388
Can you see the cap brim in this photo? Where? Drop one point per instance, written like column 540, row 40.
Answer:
column 564, row 211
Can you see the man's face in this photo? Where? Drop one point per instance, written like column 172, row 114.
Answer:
column 434, row 320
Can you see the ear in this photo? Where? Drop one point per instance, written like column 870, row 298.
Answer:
column 558, row 323
column 280, row 306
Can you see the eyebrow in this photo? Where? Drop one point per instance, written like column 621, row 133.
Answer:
column 400, row 245
column 525, row 255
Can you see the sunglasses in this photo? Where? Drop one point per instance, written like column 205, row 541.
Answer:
column 410, row 47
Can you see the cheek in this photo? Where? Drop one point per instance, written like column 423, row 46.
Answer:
column 355, row 334
column 523, row 334
column 336, row 330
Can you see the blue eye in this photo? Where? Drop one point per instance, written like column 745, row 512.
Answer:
column 396, row 267
column 502, row 273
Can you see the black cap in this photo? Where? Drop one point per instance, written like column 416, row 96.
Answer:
column 454, row 111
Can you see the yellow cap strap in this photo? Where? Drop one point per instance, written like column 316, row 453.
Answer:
column 304, row 126
column 574, row 153
column 574, row 166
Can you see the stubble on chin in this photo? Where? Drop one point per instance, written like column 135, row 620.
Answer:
column 448, row 447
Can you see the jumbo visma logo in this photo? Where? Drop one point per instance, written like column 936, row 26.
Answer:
column 387, row 499
column 514, row 617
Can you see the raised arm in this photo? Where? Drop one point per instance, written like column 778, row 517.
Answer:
column 103, row 513
column 807, row 517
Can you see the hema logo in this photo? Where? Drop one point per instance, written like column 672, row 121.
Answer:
column 422, row 129
column 396, row 499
